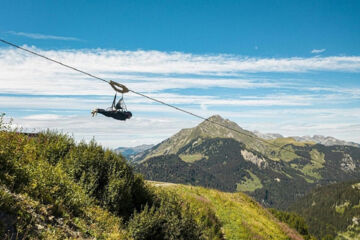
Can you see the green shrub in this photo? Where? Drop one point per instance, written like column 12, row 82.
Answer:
column 328, row 237
column 51, row 185
column 24, row 168
column 169, row 219
column 209, row 224
column 12, row 173
column 15, row 220
column 107, row 177
column 54, row 146
column 294, row 221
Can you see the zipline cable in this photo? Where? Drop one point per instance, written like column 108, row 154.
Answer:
column 162, row 102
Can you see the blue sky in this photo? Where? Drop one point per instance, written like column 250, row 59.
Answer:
column 290, row 67
column 276, row 28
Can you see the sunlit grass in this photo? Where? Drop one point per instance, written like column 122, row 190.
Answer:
column 250, row 184
column 241, row 216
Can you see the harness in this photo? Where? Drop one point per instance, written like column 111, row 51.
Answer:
column 118, row 106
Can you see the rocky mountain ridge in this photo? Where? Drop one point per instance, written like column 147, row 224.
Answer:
column 324, row 140
column 207, row 129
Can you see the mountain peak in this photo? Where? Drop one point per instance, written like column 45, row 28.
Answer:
column 209, row 123
column 205, row 130
column 216, row 117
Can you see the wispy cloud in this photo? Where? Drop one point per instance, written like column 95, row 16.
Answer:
column 43, row 36
column 22, row 73
column 48, row 117
column 316, row 51
column 156, row 62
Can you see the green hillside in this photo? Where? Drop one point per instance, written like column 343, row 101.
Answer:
column 332, row 211
column 54, row 188
column 241, row 217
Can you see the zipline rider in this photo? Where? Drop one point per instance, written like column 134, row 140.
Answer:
column 117, row 111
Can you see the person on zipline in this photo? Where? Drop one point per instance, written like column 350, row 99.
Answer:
column 119, row 115
column 117, row 111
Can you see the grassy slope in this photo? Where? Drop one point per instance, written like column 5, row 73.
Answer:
column 241, row 216
column 250, row 184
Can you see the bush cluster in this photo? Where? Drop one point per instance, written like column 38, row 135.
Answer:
column 294, row 221
column 168, row 218
column 89, row 189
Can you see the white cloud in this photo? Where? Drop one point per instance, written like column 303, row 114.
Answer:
column 43, row 117
column 99, row 61
column 43, row 36
column 316, row 51
column 156, row 73
column 353, row 92
column 148, row 70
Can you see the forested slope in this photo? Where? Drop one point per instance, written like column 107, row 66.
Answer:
column 333, row 211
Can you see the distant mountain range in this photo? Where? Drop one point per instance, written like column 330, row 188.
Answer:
column 130, row 152
column 327, row 141
column 276, row 171
column 136, row 153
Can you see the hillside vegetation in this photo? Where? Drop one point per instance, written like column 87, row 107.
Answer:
column 333, row 211
column 241, row 216
column 54, row 188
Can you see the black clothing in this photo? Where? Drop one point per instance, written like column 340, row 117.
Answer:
column 117, row 110
column 119, row 115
